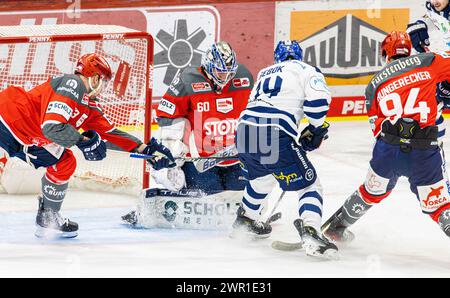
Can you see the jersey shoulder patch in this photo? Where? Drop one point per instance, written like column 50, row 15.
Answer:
column 243, row 78
column 70, row 86
column 195, row 82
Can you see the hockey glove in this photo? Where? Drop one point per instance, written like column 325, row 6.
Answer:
column 164, row 162
column 94, row 148
column 443, row 93
column 311, row 137
column 418, row 32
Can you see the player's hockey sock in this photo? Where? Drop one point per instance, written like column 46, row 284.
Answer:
column 444, row 221
column 310, row 209
column 254, row 201
column 53, row 194
column 353, row 209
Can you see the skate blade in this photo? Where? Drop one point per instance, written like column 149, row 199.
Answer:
column 53, row 234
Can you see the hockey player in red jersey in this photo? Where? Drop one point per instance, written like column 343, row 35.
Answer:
column 39, row 127
column 197, row 116
column 402, row 107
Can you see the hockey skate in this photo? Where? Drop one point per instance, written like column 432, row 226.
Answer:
column 130, row 218
column 254, row 229
column 50, row 224
column 314, row 244
column 334, row 230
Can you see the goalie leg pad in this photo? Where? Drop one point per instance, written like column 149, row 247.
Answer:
column 31, row 177
column 187, row 209
column 170, row 178
column 208, row 181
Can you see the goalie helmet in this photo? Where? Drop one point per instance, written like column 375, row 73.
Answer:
column 396, row 44
column 91, row 64
column 288, row 49
column 219, row 63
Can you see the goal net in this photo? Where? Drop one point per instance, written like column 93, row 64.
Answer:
column 30, row 54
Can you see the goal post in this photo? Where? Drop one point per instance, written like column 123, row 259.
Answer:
column 31, row 54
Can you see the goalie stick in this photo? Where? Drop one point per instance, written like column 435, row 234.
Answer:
column 202, row 164
column 145, row 156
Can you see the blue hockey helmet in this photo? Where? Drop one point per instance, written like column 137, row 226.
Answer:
column 288, row 49
column 219, row 63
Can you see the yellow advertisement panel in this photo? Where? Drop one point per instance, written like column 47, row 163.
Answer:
column 345, row 44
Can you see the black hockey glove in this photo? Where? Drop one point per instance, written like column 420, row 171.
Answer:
column 418, row 32
column 164, row 162
column 443, row 93
column 311, row 137
column 94, row 148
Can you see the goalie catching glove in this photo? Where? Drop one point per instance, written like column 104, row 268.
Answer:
column 311, row 137
column 167, row 161
column 94, row 148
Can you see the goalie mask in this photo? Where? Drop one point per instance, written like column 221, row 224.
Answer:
column 219, row 63
column 90, row 65
column 287, row 50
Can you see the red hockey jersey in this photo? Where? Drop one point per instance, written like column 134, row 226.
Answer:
column 212, row 116
column 406, row 88
column 59, row 100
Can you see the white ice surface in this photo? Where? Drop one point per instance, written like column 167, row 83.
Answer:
column 393, row 240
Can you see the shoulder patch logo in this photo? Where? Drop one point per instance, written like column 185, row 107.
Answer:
column 224, row 105
column 72, row 83
column 241, row 82
column 60, row 108
column 200, row 87
column 318, row 84
column 166, row 106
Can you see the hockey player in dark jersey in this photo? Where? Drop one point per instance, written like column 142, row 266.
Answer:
column 402, row 109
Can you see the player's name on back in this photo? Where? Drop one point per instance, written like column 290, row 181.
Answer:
column 271, row 70
column 404, row 81
column 395, row 67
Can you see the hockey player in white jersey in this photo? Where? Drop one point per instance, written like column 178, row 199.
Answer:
column 273, row 150
column 432, row 33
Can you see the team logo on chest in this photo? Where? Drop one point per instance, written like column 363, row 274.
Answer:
column 224, row 105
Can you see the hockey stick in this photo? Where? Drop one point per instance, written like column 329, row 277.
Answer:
column 202, row 164
column 288, row 246
column 228, row 153
column 275, row 216
column 146, row 156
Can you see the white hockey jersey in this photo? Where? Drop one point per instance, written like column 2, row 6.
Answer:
column 286, row 92
column 438, row 28
column 439, row 31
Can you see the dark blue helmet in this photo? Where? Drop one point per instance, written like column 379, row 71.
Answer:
column 288, row 49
